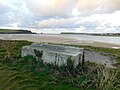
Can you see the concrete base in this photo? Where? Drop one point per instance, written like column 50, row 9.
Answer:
column 55, row 54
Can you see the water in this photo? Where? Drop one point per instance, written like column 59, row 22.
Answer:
column 90, row 38
column 1, row 37
column 86, row 38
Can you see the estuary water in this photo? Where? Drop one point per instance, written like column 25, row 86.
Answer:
column 86, row 38
column 90, row 38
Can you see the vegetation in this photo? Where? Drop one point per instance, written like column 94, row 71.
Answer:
column 10, row 31
column 94, row 34
column 27, row 73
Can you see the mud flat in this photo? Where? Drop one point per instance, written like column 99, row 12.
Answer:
column 56, row 39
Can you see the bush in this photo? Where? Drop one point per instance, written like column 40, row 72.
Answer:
column 28, row 63
column 7, row 60
column 70, row 64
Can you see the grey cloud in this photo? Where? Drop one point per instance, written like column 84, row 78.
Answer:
column 3, row 8
column 89, row 25
column 59, row 23
column 3, row 14
column 15, row 12
column 58, row 16
column 60, row 8
column 88, row 7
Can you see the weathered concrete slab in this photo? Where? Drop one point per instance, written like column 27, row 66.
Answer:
column 99, row 58
column 56, row 54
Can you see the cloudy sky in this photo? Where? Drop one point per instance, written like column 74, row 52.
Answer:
column 55, row 16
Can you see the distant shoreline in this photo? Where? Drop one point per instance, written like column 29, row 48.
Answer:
column 94, row 34
column 11, row 31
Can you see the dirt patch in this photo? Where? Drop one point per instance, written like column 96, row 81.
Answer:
column 99, row 58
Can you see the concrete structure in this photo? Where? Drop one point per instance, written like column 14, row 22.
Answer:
column 55, row 54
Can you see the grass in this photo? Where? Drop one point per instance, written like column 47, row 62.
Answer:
column 17, row 80
column 18, row 73
column 27, row 73
column 11, row 79
column 12, row 48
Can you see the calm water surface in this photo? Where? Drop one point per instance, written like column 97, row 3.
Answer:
column 103, row 39
column 89, row 38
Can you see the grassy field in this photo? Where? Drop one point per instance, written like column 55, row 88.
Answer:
column 27, row 73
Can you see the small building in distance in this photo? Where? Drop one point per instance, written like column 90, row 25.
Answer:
column 55, row 54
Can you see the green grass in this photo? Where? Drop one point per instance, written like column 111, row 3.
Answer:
column 12, row 48
column 27, row 73
column 13, row 80
column 17, row 73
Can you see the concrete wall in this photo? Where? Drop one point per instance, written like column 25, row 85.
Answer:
column 57, row 57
